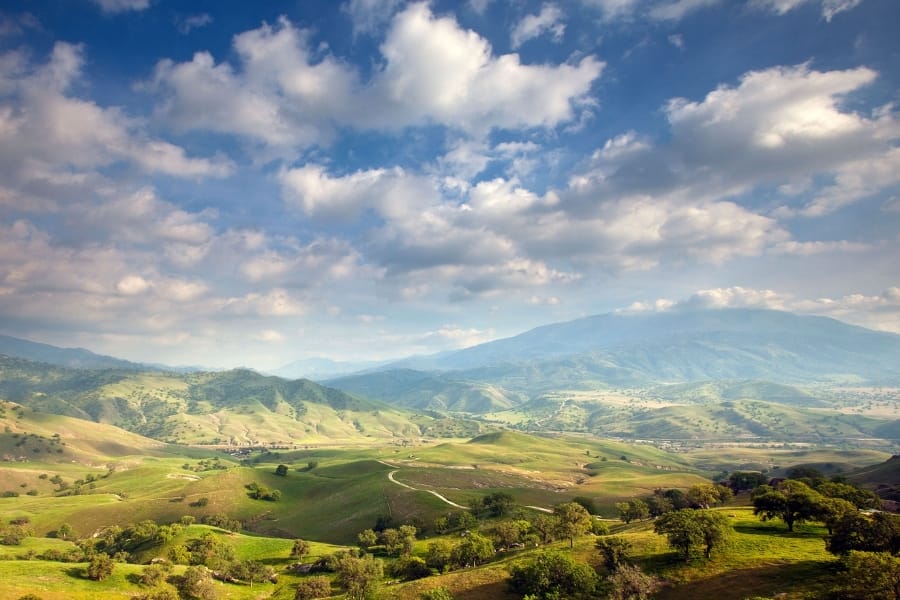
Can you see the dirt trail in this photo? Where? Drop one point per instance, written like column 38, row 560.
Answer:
column 436, row 494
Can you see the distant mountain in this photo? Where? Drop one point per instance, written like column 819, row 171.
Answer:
column 319, row 369
column 76, row 358
column 677, row 346
column 689, row 364
column 428, row 391
column 231, row 407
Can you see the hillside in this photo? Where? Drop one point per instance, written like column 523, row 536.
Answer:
column 76, row 358
column 233, row 407
column 428, row 391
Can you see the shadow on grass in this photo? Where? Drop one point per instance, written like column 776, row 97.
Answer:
column 811, row 577
column 76, row 572
column 773, row 531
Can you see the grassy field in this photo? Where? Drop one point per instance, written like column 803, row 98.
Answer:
column 330, row 493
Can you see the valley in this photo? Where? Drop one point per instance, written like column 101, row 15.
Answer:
column 93, row 456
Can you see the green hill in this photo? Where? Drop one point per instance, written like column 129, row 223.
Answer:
column 233, row 407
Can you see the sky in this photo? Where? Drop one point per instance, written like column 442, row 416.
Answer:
column 252, row 183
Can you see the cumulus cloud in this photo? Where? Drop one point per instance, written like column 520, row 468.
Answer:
column 778, row 126
column 42, row 128
column 434, row 71
column 548, row 21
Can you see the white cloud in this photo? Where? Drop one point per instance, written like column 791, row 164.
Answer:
column 434, row 72
column 369, row 15
column 452, row 337
column 880, row 311
column 117, row 6
column 549, row 20
column 187, row 24
column 829, row 7
column 131, row 285
column 270, row 335
column 42, row 129
column 677, row 40
column 675, row 10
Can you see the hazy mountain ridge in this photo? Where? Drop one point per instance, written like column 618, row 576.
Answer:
column 631, row 350
column 76, row 358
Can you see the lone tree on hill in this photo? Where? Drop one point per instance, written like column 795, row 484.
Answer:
column 574, row 520
column 300, row 549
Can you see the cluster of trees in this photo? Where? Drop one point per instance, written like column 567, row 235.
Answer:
column 704, row 495
column 16, row 530
column 261, row 492
column 795, row 501
column 551, row 575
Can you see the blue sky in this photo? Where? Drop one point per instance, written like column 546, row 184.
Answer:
column 237, row 183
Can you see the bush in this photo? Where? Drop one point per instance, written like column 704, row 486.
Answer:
column 553, row 575
column 409, row 568
column 100, row 567
column 317, row 586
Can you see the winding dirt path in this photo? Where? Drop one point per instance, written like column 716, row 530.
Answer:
column 436, row 494
column 432, row 492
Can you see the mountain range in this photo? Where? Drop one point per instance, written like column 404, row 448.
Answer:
column 679, row 374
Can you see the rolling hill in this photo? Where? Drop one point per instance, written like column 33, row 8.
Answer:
column 232, row 407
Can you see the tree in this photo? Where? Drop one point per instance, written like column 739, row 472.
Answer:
column 689, row 529
column 703, row 495
column 857, row 531
column 741, row 481
column 410, row 568
column 546, row 527
column 100, row 567
column 497, row 504
column 197, row 583
column 152, row 576
column 366, row 539
column 613, row 550
column 573, row 521
column 630, row 583
column 553, row 574
column 717, row 531
column 407, row 539
column 65, row 531
column 301, row 548
column 250, row 571
column 310, row 588
column 359, row 576
column 392, row 541
column 659, row 505
column 475, row 548
column 793, row 502
column 281, row 470
column 439, row 555
column 633, row 510
column 832, row 510
column 210, row 551
column 873, row 576
column 507, row 533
